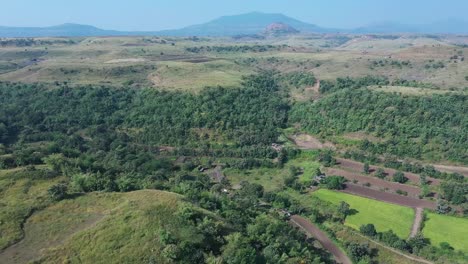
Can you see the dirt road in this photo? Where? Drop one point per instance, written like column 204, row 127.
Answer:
column 315, row 232
column 451, row 169
column 418, row 218
column 388, row 197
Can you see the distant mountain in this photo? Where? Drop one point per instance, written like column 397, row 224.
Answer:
column 278, row 29
column 450, row 26
column 65, row 30
column 244, row 24
column 250, row 23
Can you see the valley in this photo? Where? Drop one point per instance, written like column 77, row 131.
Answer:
column 277, row 146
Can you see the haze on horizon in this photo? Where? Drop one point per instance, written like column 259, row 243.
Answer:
column 146, row 15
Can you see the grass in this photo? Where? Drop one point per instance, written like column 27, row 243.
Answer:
column 273, row 178
column 450, row 229
column 384, row 216
column 383, row 254
column 19, row 197
column 350, row 59
column 270, row 178
column 97, row 227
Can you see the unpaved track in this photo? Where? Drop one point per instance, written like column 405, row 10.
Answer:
column 418, row 218
column 451, row 169
column 358, row 167
column 375, row 182
column 315, row 232
column 388, row 197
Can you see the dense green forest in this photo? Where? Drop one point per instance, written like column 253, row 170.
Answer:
column 431, row 128
column 110, row 139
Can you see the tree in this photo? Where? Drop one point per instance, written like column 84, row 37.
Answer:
column 238, row 250
column 366, row 168
column 58, row 191
column 380, row 173
column 358, row 251
column 399, row 177
column 368, row 230
column 344, row 209
column 327, row 159
column 442, row 207
column 417, row 242
column 422, row 179
column 335, row 182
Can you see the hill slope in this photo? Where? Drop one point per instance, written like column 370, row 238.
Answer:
column 96, row 227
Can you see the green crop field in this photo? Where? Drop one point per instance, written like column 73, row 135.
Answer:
column 384, row 216
column 443, row 228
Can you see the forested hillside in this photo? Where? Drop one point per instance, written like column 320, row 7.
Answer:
column 422, row 127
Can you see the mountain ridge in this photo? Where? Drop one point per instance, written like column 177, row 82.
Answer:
column 243, row 24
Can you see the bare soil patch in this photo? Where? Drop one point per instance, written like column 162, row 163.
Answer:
column 376, row 183
column 125, row 60
column 388, row 197
column 358, row 167
column 311, row 230
column 305, row 141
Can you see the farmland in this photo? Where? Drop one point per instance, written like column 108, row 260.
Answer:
column 441, row 228
column 383, row 215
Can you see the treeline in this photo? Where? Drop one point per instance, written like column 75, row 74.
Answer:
column 28, row 42
column 236, row 48
column 432, row 128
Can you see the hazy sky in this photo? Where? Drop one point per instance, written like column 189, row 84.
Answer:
column 158, row 14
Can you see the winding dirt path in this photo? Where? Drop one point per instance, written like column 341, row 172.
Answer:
column 315, row 232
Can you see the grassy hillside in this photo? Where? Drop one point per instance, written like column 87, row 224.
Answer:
column 22, row 191
column 93, row 228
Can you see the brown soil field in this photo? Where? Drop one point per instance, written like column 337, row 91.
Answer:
column 388, row 197
column 358, row 166
column 376, row 183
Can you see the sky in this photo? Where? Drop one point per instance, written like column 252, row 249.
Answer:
column 147, row 15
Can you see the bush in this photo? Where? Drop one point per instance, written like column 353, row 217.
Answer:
column 58, row 192
column 399, row 177
column 334, row 182
column 368, row 230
